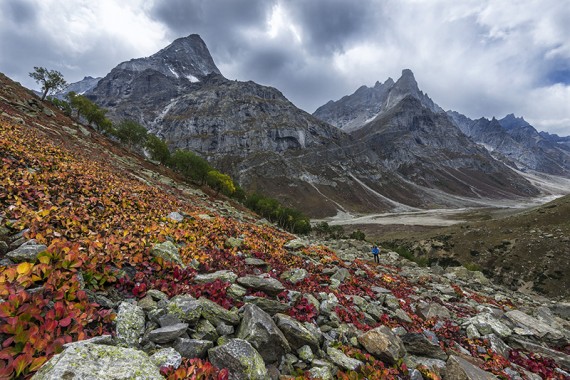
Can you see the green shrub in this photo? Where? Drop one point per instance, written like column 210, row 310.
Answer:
column 358, row 235
column 131, row 133
column 157, row 149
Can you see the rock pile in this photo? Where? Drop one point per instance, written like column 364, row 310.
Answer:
column 434, row 323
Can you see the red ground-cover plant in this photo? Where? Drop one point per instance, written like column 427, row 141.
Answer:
column 545, row 367
column 195, row 369
column 304, row 311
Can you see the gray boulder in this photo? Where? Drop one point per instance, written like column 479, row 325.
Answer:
column 268, row 285
column 271, row 307
column 94, row 361
column 343, row 361
column 167, row 251
column 527, row 325
column 240, row 358
column 205, row 331
column 431, row 310
column 167, row 334
column 185, row 308
column 27, row 252
column 175, row 216
column 295, row 275
column 382, row 343
column 167, row 357
column 216, row 314
column 419, row 344
column 192, row 348
column 341, row 275
column 295, row 244
column 297, row 335
column 130, row 324
column 222, row 275
column 258, row 328
column 460, row 369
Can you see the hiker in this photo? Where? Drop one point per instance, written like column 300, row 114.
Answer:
column 376, row 253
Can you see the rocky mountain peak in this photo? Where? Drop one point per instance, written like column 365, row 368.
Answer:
column 185, row 58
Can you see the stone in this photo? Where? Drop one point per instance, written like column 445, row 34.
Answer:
column 560, row 358
column 341, row 275
column 185, row 308
column 271, row 307
column 167, row 357
column 255, row 262
column 147, row 303
column 167, row 334
column 322, row 373
column 240, row 358
column 402, row 316
column 192, row 348
column 233, row 242
column 472, row 332
column 343, row 361
column 168, row 252
column 431, row 310
column 260, row 330
column 295, row 244
column 3, row 247
column 27, row 252
column 236, row 291
column 268, row 285
column 383, row 344
column 224, row 329
column 486, row 321
column 295, row 276
column 537, row 328
column 101, row 339
column 297, row 335
column 305, row 353
column 130, row 324
column 205, row 331
column 157, row 295
column 498, row 345
column 216, row 314
column 222, row 275
column 419, row 344
column 175, row 216
column 205, row 217
column 460, row 369
column 102, row 362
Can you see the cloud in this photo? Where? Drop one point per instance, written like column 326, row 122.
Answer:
column 479, row 57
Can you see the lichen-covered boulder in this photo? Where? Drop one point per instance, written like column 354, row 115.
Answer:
column 205, row 331
column 192, row 348
column 343, row 361
column 167, row 251
column 185, row 308
column 240, row 358
column 431, row 310
column 382, row 343
column 167, row 357
column 271, row 307
column 419, row 344
column 297, row 335
column 216, row 314
column 168, row 333
column 95, row 361
column 222, row 275
column 27, row 252
column 258, row 328
column 295, row 275
column 268, row 285
column 295, row 244
column 130, row 324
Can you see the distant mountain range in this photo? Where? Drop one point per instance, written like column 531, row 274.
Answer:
column 384, row 148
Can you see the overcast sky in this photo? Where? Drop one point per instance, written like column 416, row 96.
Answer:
column 479, row 57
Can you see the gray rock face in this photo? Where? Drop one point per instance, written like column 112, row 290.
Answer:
column 514, row 140
column 93, row 361
column 268, row 285
column 241, row 359
column 353, row 111
column 27, row 252
column 258, row 328
column 383, row 344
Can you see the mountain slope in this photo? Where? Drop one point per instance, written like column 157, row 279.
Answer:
column 266, row 143
column 354, row 111
column 515, row 141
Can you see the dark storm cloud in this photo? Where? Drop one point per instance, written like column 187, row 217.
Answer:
column 330, row 25
column 20, row 11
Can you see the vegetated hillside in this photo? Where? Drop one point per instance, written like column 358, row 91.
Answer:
column 528, row 250
column 94, row 240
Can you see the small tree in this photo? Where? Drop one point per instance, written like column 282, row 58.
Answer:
column 190, row 165
column 131, row 133
column 157, row 149
column 220, row 182
column 50, row 80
